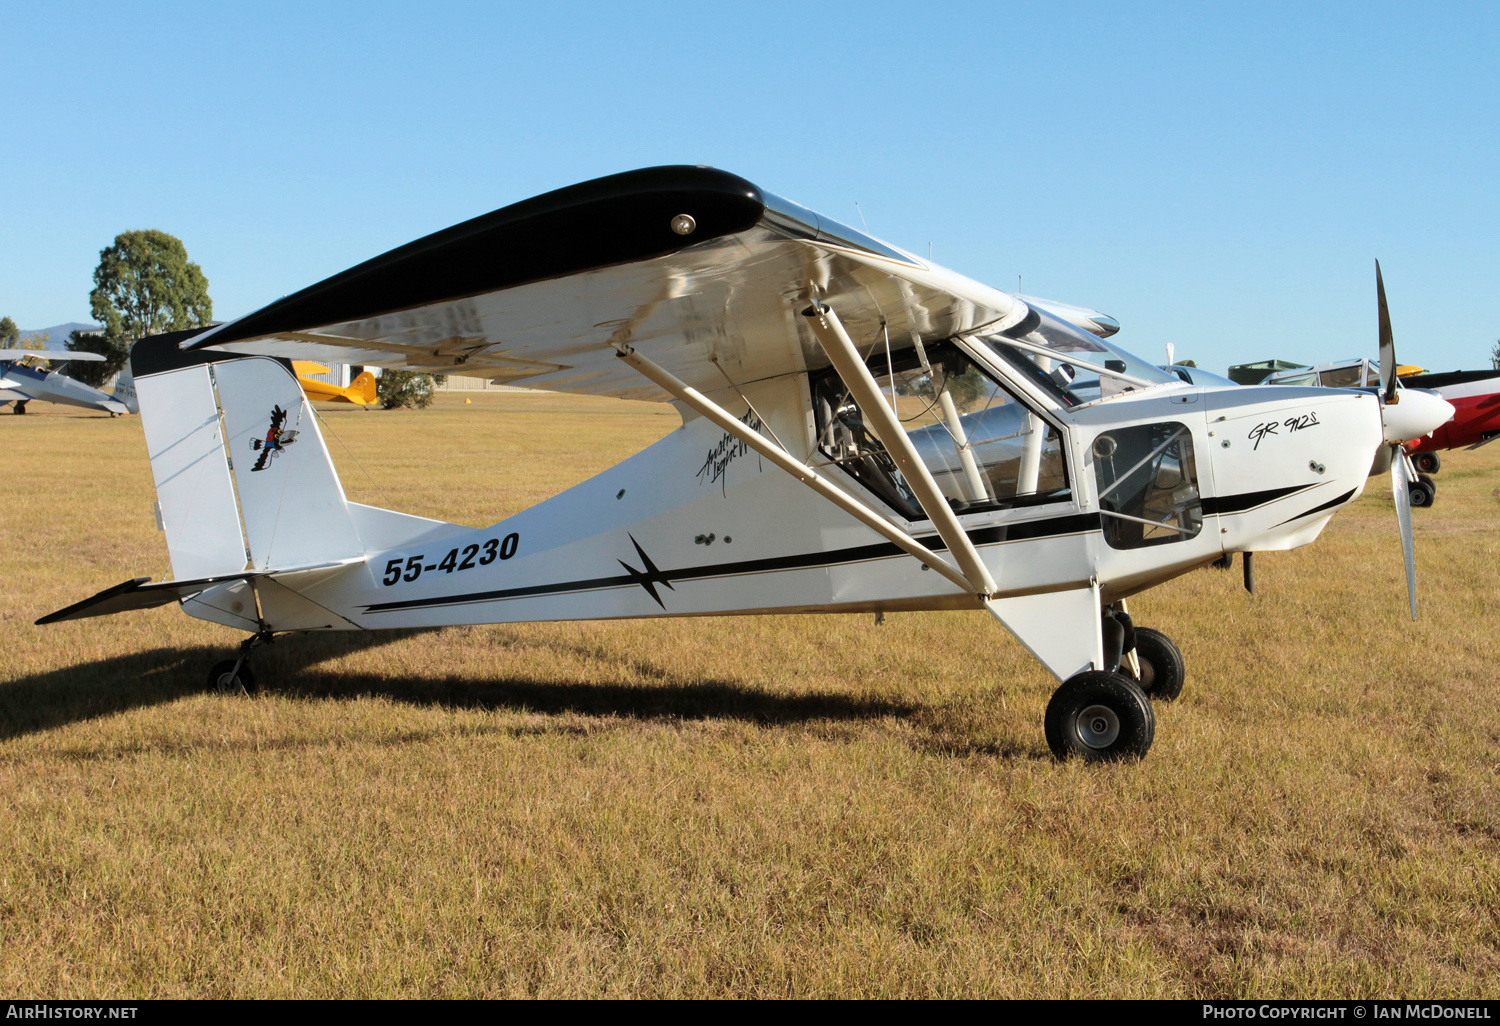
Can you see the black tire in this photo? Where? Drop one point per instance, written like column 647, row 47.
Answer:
column 1423, row 492
column 1428, row 462
column 1099, row 716
column 1162, row 668
column 224, row 680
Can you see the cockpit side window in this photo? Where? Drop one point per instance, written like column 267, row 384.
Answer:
column 983, row 447
column 1148, row 485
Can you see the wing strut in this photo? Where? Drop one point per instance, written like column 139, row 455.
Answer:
column 776, row 454
column 878, row 414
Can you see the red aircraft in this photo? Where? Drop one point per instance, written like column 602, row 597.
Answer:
column 1475, row 396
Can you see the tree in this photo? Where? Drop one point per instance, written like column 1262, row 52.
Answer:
column 144, row 285
column 9, row 333
column 1495, row 355
column 397, row 388
column 89, row 372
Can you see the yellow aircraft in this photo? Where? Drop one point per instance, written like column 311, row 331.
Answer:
column 361, row 391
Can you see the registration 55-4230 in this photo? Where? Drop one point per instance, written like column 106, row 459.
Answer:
column 409, row 568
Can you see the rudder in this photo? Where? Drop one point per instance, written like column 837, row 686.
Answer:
column 243, row 478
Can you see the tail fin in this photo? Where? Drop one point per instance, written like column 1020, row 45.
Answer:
column 124, row 390
column 365, row 387
column 243, row 478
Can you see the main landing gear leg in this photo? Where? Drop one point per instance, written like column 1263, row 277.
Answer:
column 234, row 676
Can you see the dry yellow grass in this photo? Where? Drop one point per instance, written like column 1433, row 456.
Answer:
column 808, row 806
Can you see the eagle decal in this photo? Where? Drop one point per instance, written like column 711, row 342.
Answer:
column 275, row 442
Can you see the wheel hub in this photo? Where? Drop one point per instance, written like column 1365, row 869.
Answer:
column 1098, row 726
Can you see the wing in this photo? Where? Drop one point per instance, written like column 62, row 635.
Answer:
column 698, row 269
column 47, row 354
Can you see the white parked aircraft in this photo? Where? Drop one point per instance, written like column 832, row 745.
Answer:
column 21, row 384
column 862, row 432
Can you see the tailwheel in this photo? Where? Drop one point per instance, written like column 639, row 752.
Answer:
column 232, row 677
column 1099, row 716
column 1427, row 462
column 1423, row 491
column 1162, row 669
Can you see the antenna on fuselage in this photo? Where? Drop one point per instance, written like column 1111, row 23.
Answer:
column 862, row 217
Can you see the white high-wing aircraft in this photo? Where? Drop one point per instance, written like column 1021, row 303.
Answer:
column 21, row 384
column 862, row 432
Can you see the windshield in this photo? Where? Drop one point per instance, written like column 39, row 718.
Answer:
column 1200, row 377
column 1073, row 346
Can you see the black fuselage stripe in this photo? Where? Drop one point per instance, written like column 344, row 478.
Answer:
column 1219, row 505
column 1077, row 523
column 1330, row 504
column 1056, row 526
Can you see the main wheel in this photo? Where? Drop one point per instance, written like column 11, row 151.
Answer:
column 1162, row 669
column 1423, row 491
column 224, row 679
column 1099, row 716
column 1428, row 462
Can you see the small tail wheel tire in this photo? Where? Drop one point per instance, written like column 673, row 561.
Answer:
column 1428, row 462
column 1423, row 492
column 224, row 679
column 1162, row 669
column 1099, row 716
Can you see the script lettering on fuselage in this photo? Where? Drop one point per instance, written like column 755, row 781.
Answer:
column 715, row 468
column 1260, row 432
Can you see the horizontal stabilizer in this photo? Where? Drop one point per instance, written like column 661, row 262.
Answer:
column 132, row 594
column 136, row 593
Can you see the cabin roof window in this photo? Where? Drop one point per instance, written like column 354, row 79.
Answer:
column 985, row 449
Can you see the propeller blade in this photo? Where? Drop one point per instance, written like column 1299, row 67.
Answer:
column 1402, row 477
column 1387, row 342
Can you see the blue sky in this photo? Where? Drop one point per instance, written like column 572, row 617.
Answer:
column 1216, row 175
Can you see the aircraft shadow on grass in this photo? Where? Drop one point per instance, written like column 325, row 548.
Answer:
column 119, row 684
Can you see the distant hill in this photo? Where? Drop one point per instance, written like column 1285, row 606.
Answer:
column 57, row 335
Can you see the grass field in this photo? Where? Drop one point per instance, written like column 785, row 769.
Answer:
column 762, row 806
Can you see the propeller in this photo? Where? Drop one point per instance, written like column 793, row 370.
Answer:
column 1404, row 415
column 1387, row 342
column 1402, row 478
